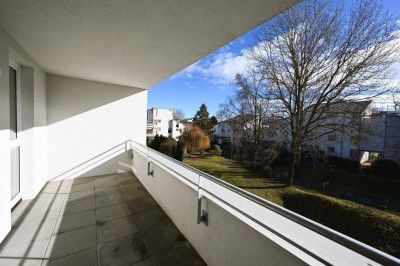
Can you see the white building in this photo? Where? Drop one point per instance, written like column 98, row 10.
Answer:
column 161, row 121
column 73, row 93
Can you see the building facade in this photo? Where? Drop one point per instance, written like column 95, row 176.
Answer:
column 161, row 122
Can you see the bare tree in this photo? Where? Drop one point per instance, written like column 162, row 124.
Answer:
column 315, row 56
column 247, row 113
column 179, row 114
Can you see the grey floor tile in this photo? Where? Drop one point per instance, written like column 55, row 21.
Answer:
column 107, row 191
column 161, row 238
column 82, row 186
column 150, row 219
column 136, row 194
column 131, row 187
column 106, row 182
column 75, row 221
column 38, row 229
column 57, row 187
column 108, row 200
column 114, row 229
column 82, row 180
column 83, row 258
column 112, row 212
column 71, row 242
column 141, row 205
column 71, row 207
column 146, row 262
column 182, row 254
column 35, row 216
column 80, row 195
column 30, row 253
column 123, row 251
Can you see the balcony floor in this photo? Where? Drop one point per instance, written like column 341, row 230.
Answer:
column 103, row 220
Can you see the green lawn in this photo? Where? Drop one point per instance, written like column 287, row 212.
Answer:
column 380, row 229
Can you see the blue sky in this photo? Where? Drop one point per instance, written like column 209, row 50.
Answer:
column 209, row 80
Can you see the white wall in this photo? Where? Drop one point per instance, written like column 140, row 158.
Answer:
column 33, row 127
column 226, row 240
column 88, row 125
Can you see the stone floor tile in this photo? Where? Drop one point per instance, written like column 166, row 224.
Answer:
column 161, row 238
column 30, row 253
column 71, row 207
column 146, row 262
column 141, row 205
column 108, row 200
column 82, row 187
column 82, row 180
column 150, row 219
column 112, row 212
column 137, row 194
column 28, row 232
column 71, row 242
column 80, row 195
column 180, row 255
column 108, row 182
column 131, row 187
column 75, row 221
column 123, row 251
column 111, row 230
column 107, row 191
column 86, row 257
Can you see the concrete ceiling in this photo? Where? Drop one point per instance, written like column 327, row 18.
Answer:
column 135, row 43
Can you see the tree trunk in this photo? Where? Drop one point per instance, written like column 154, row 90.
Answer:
column 291, row 168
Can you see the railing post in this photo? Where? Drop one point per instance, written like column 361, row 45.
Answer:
column 149, row 170
column 202, row 216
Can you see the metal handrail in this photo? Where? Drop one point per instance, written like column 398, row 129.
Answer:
column 348, row 242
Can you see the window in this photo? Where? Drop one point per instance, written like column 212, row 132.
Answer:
column 170, row 130
column 13, row 103
column 332, row 137
column 330, row 149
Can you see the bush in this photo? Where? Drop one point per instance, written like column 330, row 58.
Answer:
column 343, row 164
column 178, row 152
column 167, row 146
column 350, row 219
column 156, row 142
column 217, row 150
column 212, row 152
column 385, row 168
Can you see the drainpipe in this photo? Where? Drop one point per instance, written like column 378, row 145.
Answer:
column 384, row 137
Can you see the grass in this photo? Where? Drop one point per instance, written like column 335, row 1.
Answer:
column 380, row 229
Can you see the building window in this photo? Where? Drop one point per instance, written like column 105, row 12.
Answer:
column 332, row 137
column 330, row 149
column 170, row 130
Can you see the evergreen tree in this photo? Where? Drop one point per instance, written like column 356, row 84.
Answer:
column 178, row 152
column 202, row 119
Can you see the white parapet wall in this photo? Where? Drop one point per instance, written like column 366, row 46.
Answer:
column 88, row 126
column 242, row 229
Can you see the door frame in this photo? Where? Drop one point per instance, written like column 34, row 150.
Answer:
column 18, row 141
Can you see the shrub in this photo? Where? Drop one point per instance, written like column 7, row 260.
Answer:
column 349, row 218
column 212, row 152
column 178, row 153
column 343, row 163
column 167, row 146
column 156, row 142
column 217, row 150
column 385, row 168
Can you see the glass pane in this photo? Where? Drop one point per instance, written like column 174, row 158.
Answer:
column 15, row 186
column 13, row 103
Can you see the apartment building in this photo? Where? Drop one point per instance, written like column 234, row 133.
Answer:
column 161, row 121
column 363, row 136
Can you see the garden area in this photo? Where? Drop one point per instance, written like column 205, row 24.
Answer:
column 325, row 204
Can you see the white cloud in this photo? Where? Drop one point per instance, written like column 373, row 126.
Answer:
column 219, row 67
